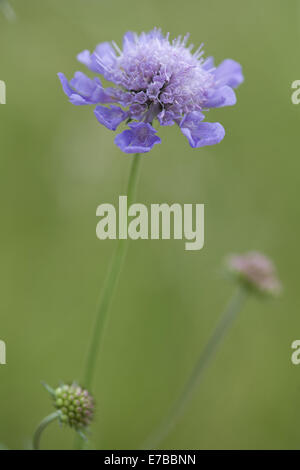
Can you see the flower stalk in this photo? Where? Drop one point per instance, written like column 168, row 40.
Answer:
column 225, row 323
column 109, row 285
column 42, row 426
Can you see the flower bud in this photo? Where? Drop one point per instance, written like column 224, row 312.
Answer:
column 75, row 404
column 255, row 271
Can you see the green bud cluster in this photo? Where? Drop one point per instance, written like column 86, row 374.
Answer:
column 75, row 404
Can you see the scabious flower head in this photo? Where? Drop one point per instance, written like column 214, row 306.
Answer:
column 75, row 404
column 254, row 270
column 154, row 79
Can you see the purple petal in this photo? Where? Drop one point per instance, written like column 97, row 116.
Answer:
column 166, row 118
column 200, row 134
column 137, row 111
column 82, row 90
column 229, row 73
column 129, row 40
column 140, row 138
column 154, row 34
column 110, row 117
column 208, row 64
column 103, row 57
column 153, row 90
column 192, row 119
column 74, row 96
column 65, row 84
column 85, row 58
column 84, row 85
column 140, row 97
column 224, row 96
column 100, row 60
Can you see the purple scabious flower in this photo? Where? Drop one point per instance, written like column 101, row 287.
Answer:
column 154, row 79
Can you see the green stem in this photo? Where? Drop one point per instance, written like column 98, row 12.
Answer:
column 109, row 285
column 206, row 357
column 39, row 430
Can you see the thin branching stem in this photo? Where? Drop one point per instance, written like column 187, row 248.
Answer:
column 177, row 410
column 43, row 424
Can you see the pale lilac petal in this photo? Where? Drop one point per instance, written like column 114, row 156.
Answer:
column 140, row 97
column 65, row 84
column 74, row 96
column 140, row 138
column 100, row 60
column 208, row 64
column 86, row 86
column 154, row 34
column 110, row 117
column 166, row 118
column 85, row 58
column 229, row 72
column 82, row 90
column 200, row 134
column 224, row 96
column 137, row 111
column 129, row 40
column 191, row 120
column 154, row 90
column 103, row 57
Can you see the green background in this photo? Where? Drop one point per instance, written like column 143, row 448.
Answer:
column 58, row 164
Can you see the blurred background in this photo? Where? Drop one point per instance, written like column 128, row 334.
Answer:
column 58, row 164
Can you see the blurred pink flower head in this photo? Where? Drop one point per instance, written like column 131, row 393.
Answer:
column 256, row 271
